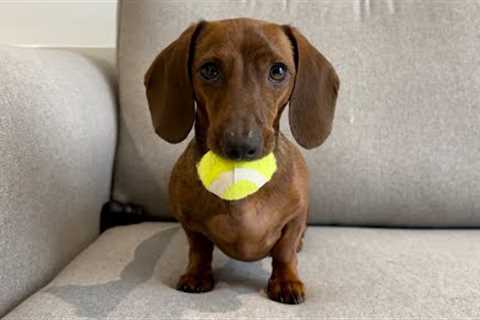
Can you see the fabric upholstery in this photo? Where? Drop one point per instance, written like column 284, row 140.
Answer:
column 350, row 273
column 404, row 148
column 57, row 142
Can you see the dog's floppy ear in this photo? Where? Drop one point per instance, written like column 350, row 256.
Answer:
column 312, row 103
column 169, row 89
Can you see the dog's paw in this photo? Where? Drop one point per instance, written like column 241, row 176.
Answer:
column 286, row 291
column 196, row 283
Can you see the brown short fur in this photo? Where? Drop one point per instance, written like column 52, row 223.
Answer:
column 243, row 100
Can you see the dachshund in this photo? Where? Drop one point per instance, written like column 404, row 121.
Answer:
column 241, row 74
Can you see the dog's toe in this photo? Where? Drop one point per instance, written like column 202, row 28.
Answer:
column 286, row 291
column 196, row 283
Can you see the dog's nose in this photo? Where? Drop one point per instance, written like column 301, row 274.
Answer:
column 242, row 147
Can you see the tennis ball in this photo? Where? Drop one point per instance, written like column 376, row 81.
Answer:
column 234, row 180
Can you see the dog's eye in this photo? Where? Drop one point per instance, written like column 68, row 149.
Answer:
column 278, row 72
column 209, row 71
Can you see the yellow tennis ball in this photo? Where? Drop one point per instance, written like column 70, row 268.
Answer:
column 235, row 180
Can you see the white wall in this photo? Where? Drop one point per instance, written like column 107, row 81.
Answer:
column 58, row 23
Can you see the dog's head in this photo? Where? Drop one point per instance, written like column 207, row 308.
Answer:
column 241, row 73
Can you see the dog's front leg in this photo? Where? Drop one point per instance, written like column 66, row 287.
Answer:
column 285, row 285
column 198, row 277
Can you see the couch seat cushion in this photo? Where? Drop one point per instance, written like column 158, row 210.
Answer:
column 130, row 273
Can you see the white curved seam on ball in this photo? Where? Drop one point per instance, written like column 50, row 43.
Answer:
column 222, row 182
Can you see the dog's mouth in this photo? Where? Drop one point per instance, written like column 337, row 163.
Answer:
column 246, row 146
column 236, row 155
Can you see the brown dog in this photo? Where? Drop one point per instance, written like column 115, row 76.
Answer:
column 242, row 73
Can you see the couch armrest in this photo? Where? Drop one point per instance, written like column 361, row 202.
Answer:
column 58, row 132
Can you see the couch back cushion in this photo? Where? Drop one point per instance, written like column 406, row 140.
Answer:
column 405, row 148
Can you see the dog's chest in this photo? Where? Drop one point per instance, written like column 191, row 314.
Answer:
column 245, row 232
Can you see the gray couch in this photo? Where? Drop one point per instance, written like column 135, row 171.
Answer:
column 395, row 189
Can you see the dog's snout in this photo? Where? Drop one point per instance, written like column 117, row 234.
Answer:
column 242, row 147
